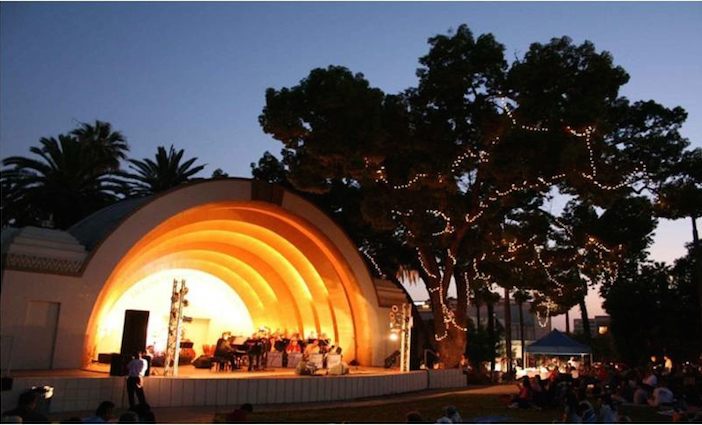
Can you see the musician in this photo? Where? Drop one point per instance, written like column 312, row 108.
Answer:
column 254, row 349
column 224, row 349
column 265, row 349
column 312, row 348
column 293, row 346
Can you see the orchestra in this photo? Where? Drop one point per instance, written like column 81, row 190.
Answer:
column 252, row 353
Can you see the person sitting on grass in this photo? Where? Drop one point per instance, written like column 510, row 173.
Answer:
column 451, row 416
column 27, row 409
column 103, row 413
column 539, row 392
column 414, row 417
column 640, row 395
column 143, row 410
column 128, row 417
column 241, row 414
column 588, row 412
column 572, row 414
column 608, row 411
column 662, row 396
column 524, row 398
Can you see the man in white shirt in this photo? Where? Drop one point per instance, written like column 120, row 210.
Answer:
column 136, row 369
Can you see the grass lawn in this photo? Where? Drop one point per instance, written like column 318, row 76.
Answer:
column 470, row 406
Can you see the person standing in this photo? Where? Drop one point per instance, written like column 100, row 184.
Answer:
column 136, row 370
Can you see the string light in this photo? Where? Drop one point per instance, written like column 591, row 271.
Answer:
column 514, row 188
column 424, row 267
column 506, row 107
column 450, row 255
column 442, row 337
column 546, row 267
column 412, row 181
column 448, row 228
column 372, row 260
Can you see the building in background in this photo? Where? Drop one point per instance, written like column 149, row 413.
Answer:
column 599, row 325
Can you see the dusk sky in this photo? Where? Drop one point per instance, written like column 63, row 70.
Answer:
column 194, row 74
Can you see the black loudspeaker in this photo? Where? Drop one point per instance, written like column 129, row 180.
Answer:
column 134, row 334
column 117, row 365
column 6, row 384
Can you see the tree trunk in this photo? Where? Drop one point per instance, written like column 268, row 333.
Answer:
column 477, row 316
column 491, row 334
column 521, row 334
column 568, row 321
column 452, row 347
column 508, row 330
column 585, row 319
column 697, row 262
column 450, row 338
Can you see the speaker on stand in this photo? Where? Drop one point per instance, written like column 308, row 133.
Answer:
column 136, row 323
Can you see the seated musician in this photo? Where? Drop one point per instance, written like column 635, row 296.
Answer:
column 312, row 348
column 293, row 346
column 224, row 349
column 238, row 351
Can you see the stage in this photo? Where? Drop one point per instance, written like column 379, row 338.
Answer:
column 99, row 370
column 84, row 389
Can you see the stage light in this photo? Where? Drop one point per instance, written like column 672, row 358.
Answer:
column 393, row 336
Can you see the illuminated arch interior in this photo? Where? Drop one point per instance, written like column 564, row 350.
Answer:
column 213, row 306
column 272, row 268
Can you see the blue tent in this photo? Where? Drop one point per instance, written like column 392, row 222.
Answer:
column 556, row 343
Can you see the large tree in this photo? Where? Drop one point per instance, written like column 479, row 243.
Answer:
column 654, row 311
column 437, row 168
column 680, row 196
column 66, row 178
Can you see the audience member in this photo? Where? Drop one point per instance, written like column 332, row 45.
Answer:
column 128, row 417
column 587, row 412
column 640, row 395
column 572, row 414
column 27, row 409
column 103, row 413
column 143, row 410
column 608, row 411
column 414, row 417
column 241, row 414
column 524, row 398
column 451, row 416
column 662, row 396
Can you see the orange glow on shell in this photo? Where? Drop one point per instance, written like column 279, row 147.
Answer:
column 286, row 272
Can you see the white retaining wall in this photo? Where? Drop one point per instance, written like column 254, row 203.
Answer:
column 448, row 378
column 73, row 394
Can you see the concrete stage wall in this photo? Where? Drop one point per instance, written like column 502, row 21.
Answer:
column 85, row 393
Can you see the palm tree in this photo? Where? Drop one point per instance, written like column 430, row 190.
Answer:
column 164, row 173
column 103, row 142
column 66, row 181
column 521, row 297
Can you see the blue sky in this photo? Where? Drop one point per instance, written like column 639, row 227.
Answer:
column 194, row 74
